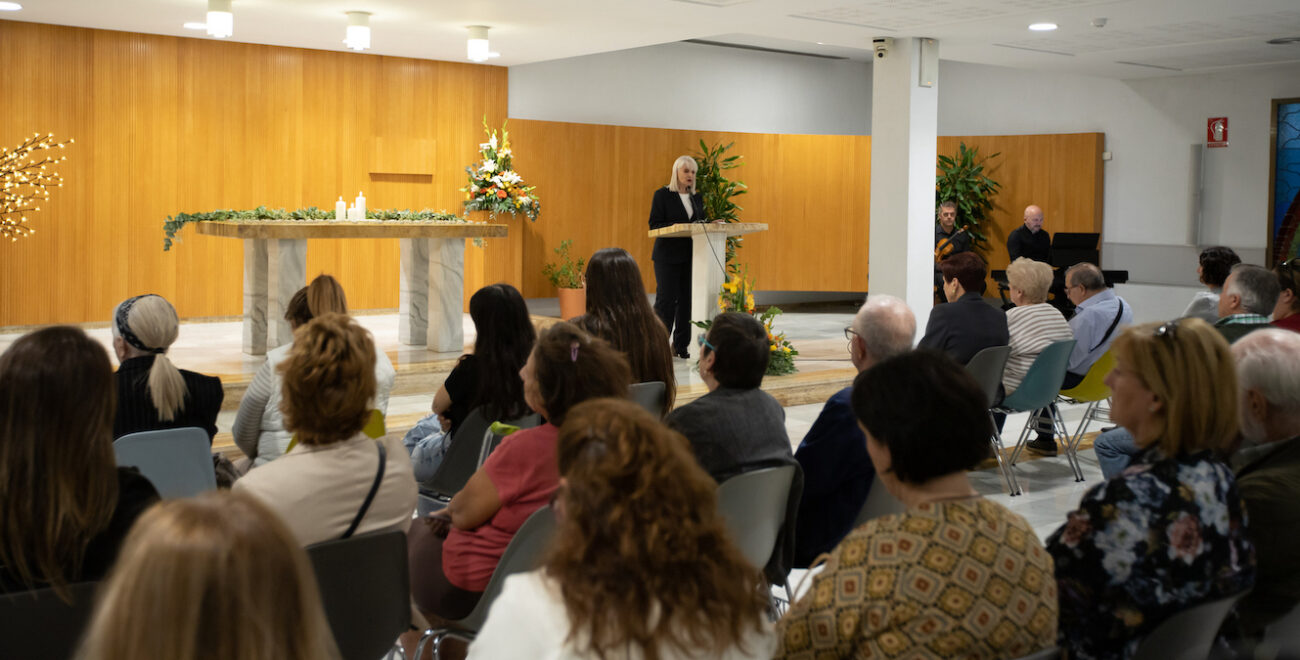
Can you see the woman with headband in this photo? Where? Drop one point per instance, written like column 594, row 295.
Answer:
column 151, row 392
column 454, row 551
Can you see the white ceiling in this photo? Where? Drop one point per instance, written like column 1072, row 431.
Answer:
column 1141, row 38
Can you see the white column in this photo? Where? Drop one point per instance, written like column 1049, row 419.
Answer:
column 446, row 295
column 904, row 134
column 287, row 272
column 708, row 271
column 413, row 294
column 255, row 296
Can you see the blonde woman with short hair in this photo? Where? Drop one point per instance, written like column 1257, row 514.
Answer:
column 152, row 393
column 1032, row 323
column 211, row 577
column 1169, row 532
column 321, row 486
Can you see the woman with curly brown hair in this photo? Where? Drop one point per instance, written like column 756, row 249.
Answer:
column 642, row 565
column 619, row 312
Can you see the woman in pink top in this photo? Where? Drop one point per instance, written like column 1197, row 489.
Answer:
column 454, row 551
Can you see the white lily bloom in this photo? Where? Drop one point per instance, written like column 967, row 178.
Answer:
column 492, row 142
column 488, row 166
column 505, row 152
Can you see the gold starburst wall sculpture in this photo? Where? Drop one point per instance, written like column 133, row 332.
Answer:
column 26, row 178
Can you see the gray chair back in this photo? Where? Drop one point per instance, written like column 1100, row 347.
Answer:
column 754, row 505
column 879, row 503
column 1282, row 637
column 493, row 440
column 1187, row 635
column 178, row 462
column 986, row 367
column 1053, row 653
column 365, row 589
column 461, row 459
column 649, row 395
column 38, row 625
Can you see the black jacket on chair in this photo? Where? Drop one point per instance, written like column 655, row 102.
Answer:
column 964, row 327
column 667, row 209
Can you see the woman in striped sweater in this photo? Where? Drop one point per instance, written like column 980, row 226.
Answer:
column 1033, row 323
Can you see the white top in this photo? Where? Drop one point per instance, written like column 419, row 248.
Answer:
column 317, row 490
column 1032, row 328
column 259, row 427
column 528, row 620
column 686, row 201
column 1204, row 305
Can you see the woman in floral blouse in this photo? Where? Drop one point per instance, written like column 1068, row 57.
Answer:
column 1169, row 532
column 955, row 575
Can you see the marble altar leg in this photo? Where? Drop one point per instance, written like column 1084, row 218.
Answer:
column 255, row 296
column 413, row 294
column 287, row 272
column 446, row 333
column 708, row 271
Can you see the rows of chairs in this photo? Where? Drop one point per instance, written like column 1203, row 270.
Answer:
column 1037, row 395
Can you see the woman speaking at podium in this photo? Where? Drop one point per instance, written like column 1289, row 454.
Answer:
column 675, row 203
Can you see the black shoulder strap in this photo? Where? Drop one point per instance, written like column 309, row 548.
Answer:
column 374, row 488
column 1114, row 323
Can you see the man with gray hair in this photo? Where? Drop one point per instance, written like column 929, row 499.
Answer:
column 1249, row 296
column 837, row 470
column 1268, row 470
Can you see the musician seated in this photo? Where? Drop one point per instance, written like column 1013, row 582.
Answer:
column 948, row 240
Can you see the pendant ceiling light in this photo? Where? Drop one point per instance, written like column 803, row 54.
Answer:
column 477, row 47
column 221, row 22
column 358, row 35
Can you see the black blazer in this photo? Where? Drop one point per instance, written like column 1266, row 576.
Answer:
column 135, row 411
column 965, row 327
column 666, row 209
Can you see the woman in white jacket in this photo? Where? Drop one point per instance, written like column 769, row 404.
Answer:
column 259, row 426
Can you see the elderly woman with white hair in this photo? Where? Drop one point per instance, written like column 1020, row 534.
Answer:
column 1033, row 324
column 675, row 203
column 152, row 393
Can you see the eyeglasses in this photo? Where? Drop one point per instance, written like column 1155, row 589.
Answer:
column 849, row 334
column 1292, row 268
column 1168, row 330
column 705, row 343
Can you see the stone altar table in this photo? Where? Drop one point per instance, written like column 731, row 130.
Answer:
column 432, row 263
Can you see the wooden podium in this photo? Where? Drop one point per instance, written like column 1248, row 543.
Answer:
column 431, row 298
column 708, row 258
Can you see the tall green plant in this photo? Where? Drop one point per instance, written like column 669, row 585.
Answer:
column 720, row 192
column 961, row 179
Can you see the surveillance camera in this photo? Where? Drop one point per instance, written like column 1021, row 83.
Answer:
column 882, row 46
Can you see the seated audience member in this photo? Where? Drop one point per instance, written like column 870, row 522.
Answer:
column 1115, row 448
column 619, row 312
column 837, row 470
column 488, row 377
column 337, row 480
column 152, row 393
column 65, row 504
column 214, row 576
column 453, row 552
column 1216, row 263
column 1032, row 323
column 736, row 426
column 1268, row 470
column 1169, row 532
column 1030, row 241
column 642, row 564
column 1098, row 317
column 259, row 428
column 969, row 324
column 1286, row 314
column 926, row 425
column 1249, row 295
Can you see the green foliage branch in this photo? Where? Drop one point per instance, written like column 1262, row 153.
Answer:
column 174, row 224
column 720, row 192
column 566, row 274
column 962, row 179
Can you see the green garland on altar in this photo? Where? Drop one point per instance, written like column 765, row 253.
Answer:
column 174, row 224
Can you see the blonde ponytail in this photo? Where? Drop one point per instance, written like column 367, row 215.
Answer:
column 151, row 325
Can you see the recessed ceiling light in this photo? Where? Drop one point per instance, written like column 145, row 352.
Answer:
column 1283, row 40
column 1042, row 27
column 10, row 6
column 195, row 26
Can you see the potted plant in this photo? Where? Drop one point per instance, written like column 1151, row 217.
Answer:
column 961, row 179
column 567, row 277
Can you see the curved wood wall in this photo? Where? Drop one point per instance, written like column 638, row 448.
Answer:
column 167, row 124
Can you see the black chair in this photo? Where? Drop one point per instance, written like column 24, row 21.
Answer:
column 1187, row 635
column 38, row 625
column 365, row 589
column 469, row 447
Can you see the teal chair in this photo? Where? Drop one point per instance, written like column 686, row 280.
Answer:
column 1037, row 393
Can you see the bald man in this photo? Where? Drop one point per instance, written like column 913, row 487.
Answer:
column 1029, row 240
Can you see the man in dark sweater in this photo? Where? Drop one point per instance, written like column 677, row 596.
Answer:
column 1029, row 240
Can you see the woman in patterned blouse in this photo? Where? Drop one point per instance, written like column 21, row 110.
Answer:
column 955, row 576
column 1169, row 532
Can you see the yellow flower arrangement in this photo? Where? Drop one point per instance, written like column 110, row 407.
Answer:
column 737, row 295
